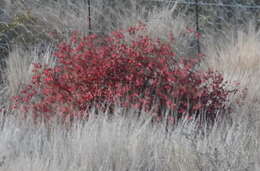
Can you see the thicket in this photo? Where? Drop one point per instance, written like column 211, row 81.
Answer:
column 127, row 68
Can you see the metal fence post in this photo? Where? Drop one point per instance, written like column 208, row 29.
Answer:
column 197, row 24
column 89, row 18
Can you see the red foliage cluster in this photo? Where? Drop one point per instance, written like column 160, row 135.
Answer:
column 142, row 73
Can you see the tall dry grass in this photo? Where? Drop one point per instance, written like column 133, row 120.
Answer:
column 236, row 55
column 126, row 143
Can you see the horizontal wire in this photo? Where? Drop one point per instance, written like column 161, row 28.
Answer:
column 208, row 4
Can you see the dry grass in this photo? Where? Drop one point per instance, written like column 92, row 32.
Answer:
column 236, row 52
column 236, row 55
column 126, row 143
column 62, row 17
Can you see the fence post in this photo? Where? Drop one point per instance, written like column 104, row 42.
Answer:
column 89, row 18
column 197, row 24
column 220, row 16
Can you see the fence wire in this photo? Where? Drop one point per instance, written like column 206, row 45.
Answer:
column 214, row 15
column 104, row 16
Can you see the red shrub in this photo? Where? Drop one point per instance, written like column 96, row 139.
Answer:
column 97, row 71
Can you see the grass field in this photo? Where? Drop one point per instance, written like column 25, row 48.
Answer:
column 125, row 143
